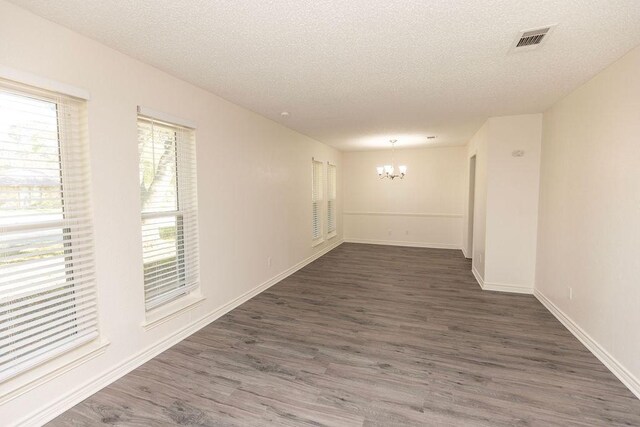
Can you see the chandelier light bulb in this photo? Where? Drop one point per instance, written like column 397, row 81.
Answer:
column 387, row 171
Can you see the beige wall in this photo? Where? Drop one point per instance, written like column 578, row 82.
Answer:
column 589, row 220
column 254, row 179
column 512, row 201
column 506, row 202
column 478, row 147
column 423, row 209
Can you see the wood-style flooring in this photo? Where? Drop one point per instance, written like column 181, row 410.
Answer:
column 376, row 336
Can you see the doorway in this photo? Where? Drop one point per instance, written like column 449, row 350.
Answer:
column 472, row 191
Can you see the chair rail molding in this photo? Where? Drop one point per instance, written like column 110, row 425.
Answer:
column 414, row 214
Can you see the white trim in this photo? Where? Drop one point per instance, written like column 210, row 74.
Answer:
column 626, row 377
column 83, row 358
column 417, row 214
column 165, row 117
column 317, row 242
column 500, row 287
column 478, row 277
column 464, row 252
column 95, row 384
column 169, row 311
column 402, row 243
column 42, row 82
column 331, row 235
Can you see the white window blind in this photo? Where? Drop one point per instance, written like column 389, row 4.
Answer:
column 47, row 281
column 169, row 207
column 316, row 200
column 331, row 198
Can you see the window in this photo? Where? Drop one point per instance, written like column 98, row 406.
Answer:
column 316, row 202
column 47, row 282
column 331, row 199
column 169, row 210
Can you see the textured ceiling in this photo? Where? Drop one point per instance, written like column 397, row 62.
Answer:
column 355, row 73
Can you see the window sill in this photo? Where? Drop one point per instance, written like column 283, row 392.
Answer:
column 169, row 311
column 317, row 242
column 35, row 378
column 332, row 235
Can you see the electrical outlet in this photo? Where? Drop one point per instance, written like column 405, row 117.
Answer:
column 268, row 261
column 570, row 293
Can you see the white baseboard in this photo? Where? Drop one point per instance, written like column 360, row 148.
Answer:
column 500, row 287
column 464, row 252
column 76, row 396
column 402, row 243
column 626, row 377
column 478, row 277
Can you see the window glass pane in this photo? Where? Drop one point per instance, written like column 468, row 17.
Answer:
column 47, row 295
column 159, row 238
column 30, row 192
column 163, row 254
column 331, row 216
column 331, row 195
column 316, row 198
column 158, row 183
column 30, row 177
column 169, row 224
column 39, row 248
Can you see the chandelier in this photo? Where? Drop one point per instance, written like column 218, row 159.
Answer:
column 388, row 171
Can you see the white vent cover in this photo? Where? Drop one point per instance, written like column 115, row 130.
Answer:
column 532, row 39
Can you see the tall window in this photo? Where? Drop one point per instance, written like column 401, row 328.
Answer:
column 331, row 199
column 316, row 202
column 169, row 210
column 47, row 282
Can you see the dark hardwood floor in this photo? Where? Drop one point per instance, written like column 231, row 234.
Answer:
column 376, row 336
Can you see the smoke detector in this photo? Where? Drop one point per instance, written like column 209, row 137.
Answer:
column 532, row 39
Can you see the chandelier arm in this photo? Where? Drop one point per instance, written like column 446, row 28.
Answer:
column 384, row 172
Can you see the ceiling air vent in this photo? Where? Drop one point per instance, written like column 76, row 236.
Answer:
column 532, row 39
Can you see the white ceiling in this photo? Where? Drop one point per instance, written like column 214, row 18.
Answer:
column 355, row 73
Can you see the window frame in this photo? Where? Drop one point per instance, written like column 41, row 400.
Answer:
column 187, row 292
column 317, row 202
column 78, row 315
column 332, row 197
